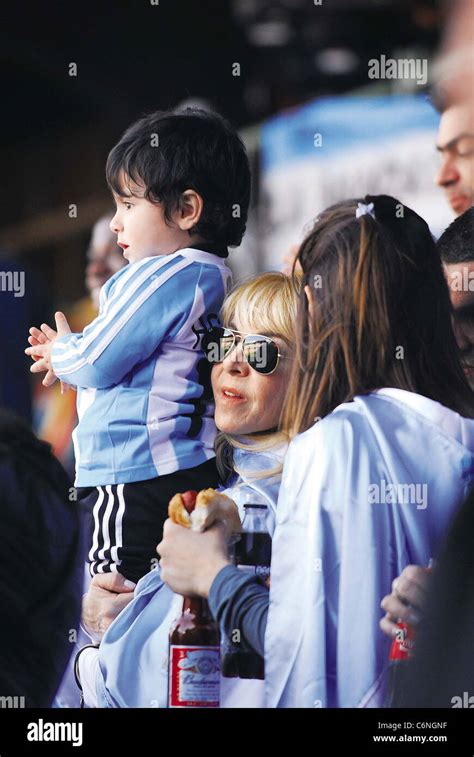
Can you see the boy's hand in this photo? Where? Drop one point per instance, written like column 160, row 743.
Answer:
column 42, row 342
column 37, row 337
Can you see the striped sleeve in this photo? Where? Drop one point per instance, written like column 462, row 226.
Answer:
column 150, row 301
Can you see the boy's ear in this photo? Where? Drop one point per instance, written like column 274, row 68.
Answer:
column 190, row 210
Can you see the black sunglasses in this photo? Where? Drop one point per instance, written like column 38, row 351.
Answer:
column 261, row 353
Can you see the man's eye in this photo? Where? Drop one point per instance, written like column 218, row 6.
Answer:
column 465, row 147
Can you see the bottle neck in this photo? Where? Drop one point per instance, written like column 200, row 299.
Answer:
column 198, row 607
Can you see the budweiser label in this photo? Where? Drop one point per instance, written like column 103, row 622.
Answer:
column 194, row 677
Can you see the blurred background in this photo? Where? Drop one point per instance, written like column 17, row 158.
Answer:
column 292, row 75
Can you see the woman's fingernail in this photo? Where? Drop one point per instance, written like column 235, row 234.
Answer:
column 129, row 584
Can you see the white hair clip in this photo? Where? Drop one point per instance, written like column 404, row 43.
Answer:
column 363, row 210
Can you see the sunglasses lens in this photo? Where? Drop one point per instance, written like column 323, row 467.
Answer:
column 261, row 354
column 217, row 343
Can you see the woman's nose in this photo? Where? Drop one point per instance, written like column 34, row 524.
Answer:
column 235, row 361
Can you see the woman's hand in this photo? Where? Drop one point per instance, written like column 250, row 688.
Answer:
column 108, row 594
column 190, row 561
column 407, row 600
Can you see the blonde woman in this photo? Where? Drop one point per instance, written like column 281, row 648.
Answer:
column 252, row 357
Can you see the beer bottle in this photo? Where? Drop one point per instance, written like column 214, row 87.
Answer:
column 194, row 657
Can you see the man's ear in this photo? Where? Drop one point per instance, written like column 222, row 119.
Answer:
column 190, row 210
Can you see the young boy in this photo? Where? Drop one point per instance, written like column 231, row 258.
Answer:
column 181, row 183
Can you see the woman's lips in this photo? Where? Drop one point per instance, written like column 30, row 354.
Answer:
column 231, row 396
column 122, row 245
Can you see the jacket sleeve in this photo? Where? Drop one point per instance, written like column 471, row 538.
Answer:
column 147, row 304
column 239, row 602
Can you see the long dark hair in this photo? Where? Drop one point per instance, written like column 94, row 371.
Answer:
column 380, row 313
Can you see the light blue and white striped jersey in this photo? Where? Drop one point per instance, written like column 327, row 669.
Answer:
column 144, row 397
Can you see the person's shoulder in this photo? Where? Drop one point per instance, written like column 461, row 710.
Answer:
column 393, row 413
column 347, row 428
column 415, row 411
column 343, row 416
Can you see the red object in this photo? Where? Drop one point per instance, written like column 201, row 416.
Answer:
column 189, row 500
column 399, row 662
column 403, row 643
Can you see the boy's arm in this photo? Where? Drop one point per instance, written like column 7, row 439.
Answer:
column 153, row 301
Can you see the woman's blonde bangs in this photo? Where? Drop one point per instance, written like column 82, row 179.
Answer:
column 265, row 303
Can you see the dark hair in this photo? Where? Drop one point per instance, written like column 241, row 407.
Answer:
column 456, row 243
column 378, row 286
column 169, row 152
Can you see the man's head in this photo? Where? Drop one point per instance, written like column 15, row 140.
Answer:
column 455, row 144
column 178, row 178
column 104, row 257
column 456, row 247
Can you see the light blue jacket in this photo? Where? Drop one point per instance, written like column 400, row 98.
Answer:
column 144, row 399
column 133, row 655
column 366, row 491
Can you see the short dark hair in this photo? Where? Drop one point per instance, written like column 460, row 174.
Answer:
column 169, row 152
column 456, row 243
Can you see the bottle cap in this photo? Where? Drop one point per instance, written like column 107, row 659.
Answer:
column 254, row 499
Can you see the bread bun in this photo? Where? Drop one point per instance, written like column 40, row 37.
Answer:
column 210, row 506
column 177, row 511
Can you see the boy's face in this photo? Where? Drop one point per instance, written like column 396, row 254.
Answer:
column 141, row 228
